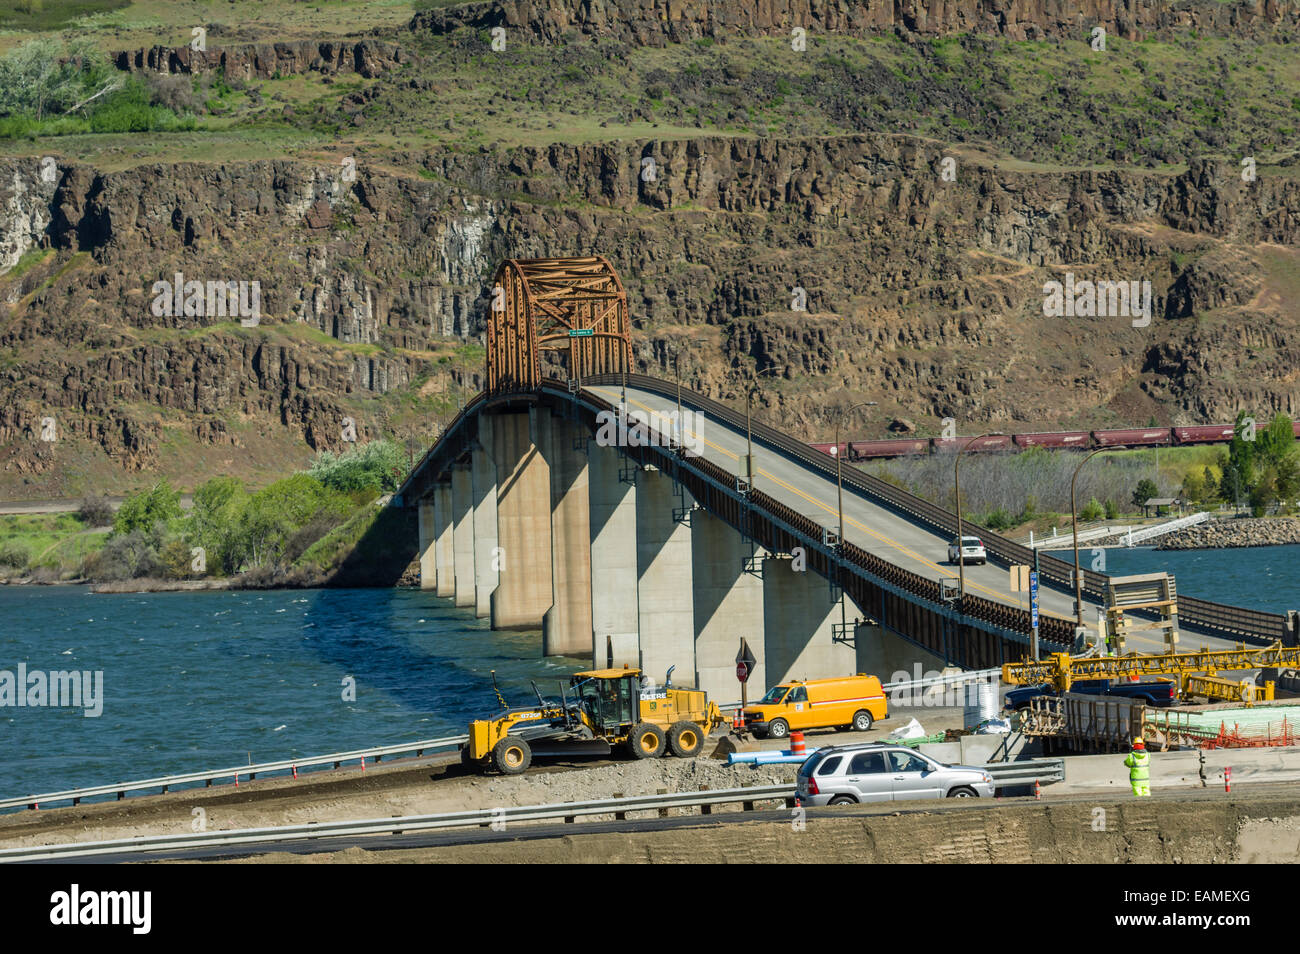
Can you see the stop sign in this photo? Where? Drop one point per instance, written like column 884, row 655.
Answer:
column 742, row 671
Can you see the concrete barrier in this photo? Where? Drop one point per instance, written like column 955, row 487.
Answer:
column 947, row 752
column 1183, row 769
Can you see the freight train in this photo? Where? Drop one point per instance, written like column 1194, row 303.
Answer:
column 1053, row 440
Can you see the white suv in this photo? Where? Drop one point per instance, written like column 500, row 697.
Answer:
column 972, row 551
column 878, row 772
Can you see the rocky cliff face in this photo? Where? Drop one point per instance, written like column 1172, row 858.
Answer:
column 368, row 58
column 848, row 263
column 658, row 22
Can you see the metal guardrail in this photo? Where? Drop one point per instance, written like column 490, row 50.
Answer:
column 952, row 679
column 1006, row 774
column 566, row 811
column 166, row 782
column 1160, row 529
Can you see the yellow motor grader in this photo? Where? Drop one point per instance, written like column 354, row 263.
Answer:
column 602, row 710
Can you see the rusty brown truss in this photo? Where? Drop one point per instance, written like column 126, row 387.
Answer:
column 576, row 306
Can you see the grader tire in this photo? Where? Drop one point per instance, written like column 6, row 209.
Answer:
column 646, row 741
column 685, row 740
column 511, row 756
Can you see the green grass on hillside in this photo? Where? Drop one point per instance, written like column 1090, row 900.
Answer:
column 43, row 15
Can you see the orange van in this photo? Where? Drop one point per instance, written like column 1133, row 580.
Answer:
column 849, row 702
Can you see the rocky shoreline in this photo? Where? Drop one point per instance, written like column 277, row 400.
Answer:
column 1223, row 534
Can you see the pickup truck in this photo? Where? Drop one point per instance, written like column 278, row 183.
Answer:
column 1159, row 692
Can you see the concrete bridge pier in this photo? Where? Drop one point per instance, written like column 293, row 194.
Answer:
column 613, row 561
column 665, row 611
column 882, row 653
column 728, row 605
column 462, row 513
column 523, row 593
column 443, row 542
column 566, row 627
column 427, row 549
column 483, row 488
column 798, row 614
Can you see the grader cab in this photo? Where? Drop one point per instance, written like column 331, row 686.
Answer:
column 602, row 711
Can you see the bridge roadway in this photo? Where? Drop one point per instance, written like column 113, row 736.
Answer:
column 867, row 524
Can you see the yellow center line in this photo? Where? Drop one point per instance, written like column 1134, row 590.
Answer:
column 835, row 513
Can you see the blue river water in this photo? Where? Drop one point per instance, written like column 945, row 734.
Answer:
column 1265, row 578
column 206, row 680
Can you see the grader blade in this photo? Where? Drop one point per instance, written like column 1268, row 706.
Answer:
column 559, row 748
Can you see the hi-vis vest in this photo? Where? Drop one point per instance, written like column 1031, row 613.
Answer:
column 1137, row 763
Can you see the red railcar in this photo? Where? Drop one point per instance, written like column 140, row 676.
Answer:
column 1133, row 437
column 866, row 450
column 1053, row 439
column 1203, row 434
column 989, row 442
column 1295, row 429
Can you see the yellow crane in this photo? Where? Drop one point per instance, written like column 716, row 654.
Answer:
column 1197, row 672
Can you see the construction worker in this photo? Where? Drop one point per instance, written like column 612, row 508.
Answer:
column 1139, row 773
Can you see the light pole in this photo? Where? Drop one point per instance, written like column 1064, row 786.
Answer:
column 956, row 483
column 677, row 373
column 1074, row 524
column 839, row 490
column 839, row 465
column 749, row 430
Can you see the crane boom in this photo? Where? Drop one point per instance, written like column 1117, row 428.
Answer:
column 1061, row 669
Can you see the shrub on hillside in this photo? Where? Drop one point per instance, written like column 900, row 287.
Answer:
column 96, row 511
column 141, row 512
column 375, row 466
column 14, row 555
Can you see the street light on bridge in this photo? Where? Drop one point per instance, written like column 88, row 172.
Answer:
column 1074, row 524
column 956, row 481
column 839, row 465
column 750, row 389
column 839, row 490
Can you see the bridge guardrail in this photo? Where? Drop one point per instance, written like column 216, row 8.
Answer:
column 567, row 811
column 166, row 782
column 1216, row 618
